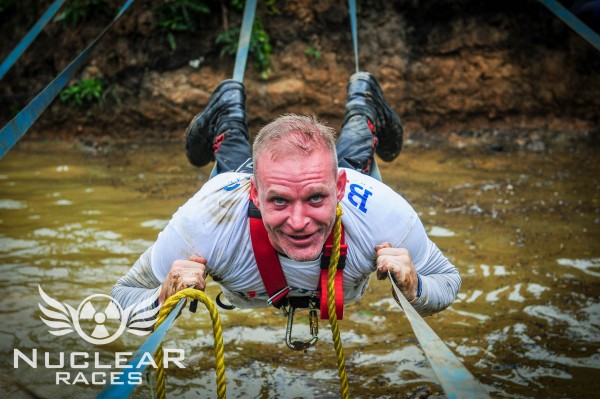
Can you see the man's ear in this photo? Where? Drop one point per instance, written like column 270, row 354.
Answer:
column 341, row 184
column 254, row 192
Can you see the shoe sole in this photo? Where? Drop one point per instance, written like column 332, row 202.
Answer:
column 392, row 138
column 199, row 147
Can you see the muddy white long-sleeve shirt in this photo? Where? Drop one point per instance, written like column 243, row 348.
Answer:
column 214, row 224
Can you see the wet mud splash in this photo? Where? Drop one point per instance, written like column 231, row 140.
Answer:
column 523, row 229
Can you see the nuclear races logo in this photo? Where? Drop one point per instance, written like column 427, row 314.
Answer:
column 98, row 319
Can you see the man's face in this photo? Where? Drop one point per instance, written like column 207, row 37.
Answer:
column 297, row 196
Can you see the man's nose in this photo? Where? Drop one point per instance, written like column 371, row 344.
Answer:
column 298, row 218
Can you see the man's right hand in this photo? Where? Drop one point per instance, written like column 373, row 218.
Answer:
column 183, row 274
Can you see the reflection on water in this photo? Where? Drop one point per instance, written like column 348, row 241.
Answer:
column 588, row 266
column 522, row 228
column 437, row 231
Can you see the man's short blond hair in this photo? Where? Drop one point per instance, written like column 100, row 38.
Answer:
column 294, row 134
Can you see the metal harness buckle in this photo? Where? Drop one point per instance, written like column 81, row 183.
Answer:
column 313, row 321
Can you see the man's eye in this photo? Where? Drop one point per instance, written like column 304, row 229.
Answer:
column 316, row 198
column 278, row 201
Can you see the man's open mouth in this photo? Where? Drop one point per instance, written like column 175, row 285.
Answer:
column 300, row 238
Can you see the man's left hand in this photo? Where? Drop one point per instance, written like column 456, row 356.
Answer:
column 399, row 263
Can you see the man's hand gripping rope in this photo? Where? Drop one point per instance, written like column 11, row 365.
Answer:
column 166, row 308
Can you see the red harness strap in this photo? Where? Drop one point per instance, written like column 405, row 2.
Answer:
column 339, row 277
column 272, row 274
column 266, row 258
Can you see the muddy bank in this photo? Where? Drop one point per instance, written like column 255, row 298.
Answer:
column 457, row 71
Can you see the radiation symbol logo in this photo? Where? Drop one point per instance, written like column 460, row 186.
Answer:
column 99, row 318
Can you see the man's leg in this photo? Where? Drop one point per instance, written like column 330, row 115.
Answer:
column 370, row 126
column 219, row 133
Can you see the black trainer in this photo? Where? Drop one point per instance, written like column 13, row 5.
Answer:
column 224, row 113
column 366, row 98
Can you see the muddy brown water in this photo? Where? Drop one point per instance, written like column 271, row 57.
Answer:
column 523, row 228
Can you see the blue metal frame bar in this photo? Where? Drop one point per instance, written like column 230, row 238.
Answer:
column 29, row 37
column 574, row 23
column 244, row 41
column 18, row 126
column 352, row 11
column 123, row 389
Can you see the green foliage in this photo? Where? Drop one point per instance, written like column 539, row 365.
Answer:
column 260, row 46
column 312, row 52
column 171, row 41
column 180, row 16
column 228, row 40
column 269, row 5
column 87, row 91
column 239, row 4
column 78, row 11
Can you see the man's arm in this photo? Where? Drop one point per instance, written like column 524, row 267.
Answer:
column 138, row 284
column 166, row 257
column 422, row 273
column 440, row 282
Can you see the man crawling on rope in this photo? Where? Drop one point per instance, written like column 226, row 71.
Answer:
column 294, row 179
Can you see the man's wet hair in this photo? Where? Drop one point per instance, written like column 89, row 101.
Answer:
column 291, row 134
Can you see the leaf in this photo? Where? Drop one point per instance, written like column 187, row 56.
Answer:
column 150, row 313
column 51, row 301
column 138, row 332
column 171, row 41
column 60, row 332
column 56, row 324
column 54, row 315
column 201, row 8
column 142, row 324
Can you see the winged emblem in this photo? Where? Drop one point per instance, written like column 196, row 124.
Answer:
column 98, row 310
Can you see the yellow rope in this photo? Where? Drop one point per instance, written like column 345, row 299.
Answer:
column 166, row 308
column 172, row 301
column 337, row 342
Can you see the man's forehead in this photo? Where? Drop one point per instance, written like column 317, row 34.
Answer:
column 280, row 154
column 282, row 149
column 314, row 162
column 312, row 187
column 311, row 173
